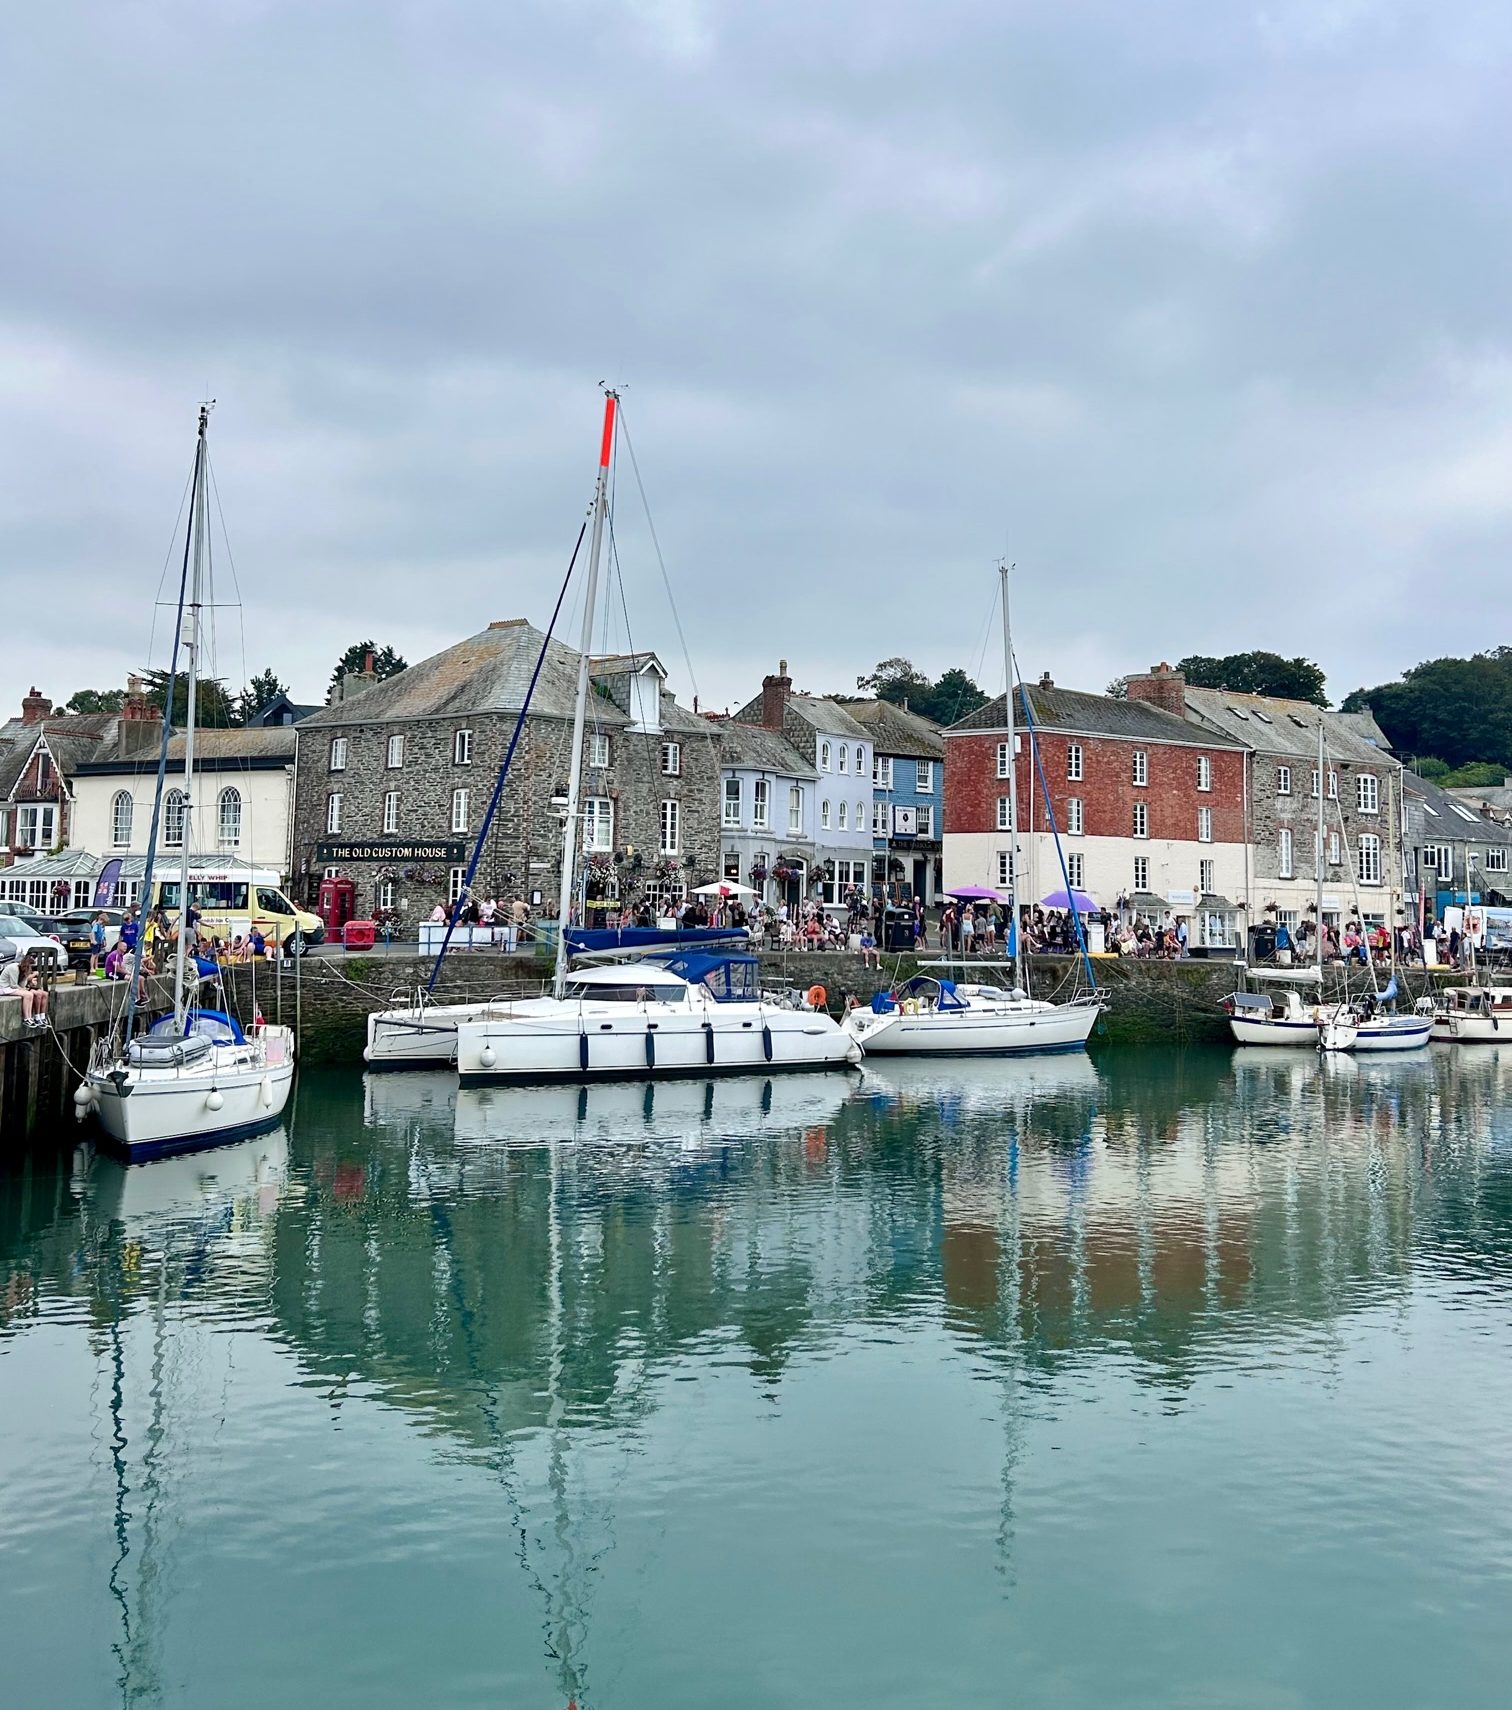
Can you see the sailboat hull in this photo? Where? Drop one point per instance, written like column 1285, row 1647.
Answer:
column 994, row 1032
column 588, row 1043
column 419, row 1038
column 234, row 1092
column 1394, row 1033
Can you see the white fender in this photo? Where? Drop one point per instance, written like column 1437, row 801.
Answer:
column 215, row 1098
column 266, row 1089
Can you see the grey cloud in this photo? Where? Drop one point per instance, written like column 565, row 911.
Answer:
column 1197, row 314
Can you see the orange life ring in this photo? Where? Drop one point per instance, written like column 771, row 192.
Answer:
column 818, row 998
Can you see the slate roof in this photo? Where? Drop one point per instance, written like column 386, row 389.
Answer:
column 1363, row 725
column 489, row 673
column 1446, row 822
column 1271, row 725
column 1096, row 715
column 895, row 730
column 761, row 750
column 72, row 740
column 828, row 717
column 223, row 749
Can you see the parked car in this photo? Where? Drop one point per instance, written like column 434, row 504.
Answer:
column 18, row 939
column 49, row 925
column 76, row 924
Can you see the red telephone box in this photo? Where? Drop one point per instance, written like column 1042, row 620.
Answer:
column 336, row 904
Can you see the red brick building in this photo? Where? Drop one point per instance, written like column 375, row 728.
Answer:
column 1150, row 808
column 38, row 753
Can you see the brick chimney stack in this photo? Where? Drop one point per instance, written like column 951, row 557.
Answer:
column 774, row 697
column 139, row 731
column 35, row 707
column 1046, row 681
column 1161, row 687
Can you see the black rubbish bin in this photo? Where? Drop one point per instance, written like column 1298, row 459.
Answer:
column 897, row 929
column 1262, row 943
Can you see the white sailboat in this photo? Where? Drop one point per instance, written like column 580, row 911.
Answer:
column 195, row 1077
column 935, row 1014
column 694, row 1014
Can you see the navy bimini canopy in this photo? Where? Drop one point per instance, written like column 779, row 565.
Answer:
column 212, row 1024
column 582, row 939
column 730, row 978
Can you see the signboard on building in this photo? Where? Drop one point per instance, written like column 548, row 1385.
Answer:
column 905, row 821
column 330, row 851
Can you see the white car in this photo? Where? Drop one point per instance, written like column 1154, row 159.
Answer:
column 17, row 939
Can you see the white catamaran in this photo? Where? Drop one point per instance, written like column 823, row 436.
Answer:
column 194, row 1077
column 681, row 1014
column 937, row 1015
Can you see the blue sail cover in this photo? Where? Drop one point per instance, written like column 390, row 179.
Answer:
column 582, row 939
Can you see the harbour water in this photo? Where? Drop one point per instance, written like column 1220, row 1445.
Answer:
column 1160, row 1379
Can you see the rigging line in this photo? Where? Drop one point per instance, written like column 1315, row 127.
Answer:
column 981, row 658
column 498, row 789
column 241, row 613
column 145, row 894
column 656, row 543
column 163, row 574
column 1060, row 854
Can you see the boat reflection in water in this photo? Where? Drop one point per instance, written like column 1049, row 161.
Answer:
column 535, row 1394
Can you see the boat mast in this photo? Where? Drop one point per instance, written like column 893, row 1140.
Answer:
column 1015, row 919
column 1322, row 796
column 580, row 711
column 190, row 638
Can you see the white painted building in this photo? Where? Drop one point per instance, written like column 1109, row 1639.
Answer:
column 243, row 802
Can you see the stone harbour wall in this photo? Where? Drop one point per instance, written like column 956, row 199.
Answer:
column 1173, row 1003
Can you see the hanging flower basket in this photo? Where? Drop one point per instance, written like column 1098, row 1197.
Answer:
column 782, row 873
column 758, row 874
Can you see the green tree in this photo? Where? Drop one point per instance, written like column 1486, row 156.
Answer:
column 1256, row 673
column 96, row 700
column 1435, row 771
column 386, row 662
column 265, row 686
column 1457, row 709
column 897, row 681
column 951, row 698
column 213, row 706
column 1478, row 775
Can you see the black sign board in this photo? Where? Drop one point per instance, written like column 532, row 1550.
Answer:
column 329, row 852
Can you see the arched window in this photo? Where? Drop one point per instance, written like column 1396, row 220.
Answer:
column 228, row 819
column 120, row 820
column 175, row 812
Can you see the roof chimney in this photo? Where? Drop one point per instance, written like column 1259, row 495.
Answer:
column 139, row 731
column 35, row 707
column 1160, row 687
column 774, row 697
column 353, row 683
column 1046, row 680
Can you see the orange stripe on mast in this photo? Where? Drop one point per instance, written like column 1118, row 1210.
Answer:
column 611, row 400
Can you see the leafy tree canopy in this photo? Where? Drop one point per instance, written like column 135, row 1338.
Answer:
column 1478, row 775
column 96, row 700
column 214, row 709
column 1458, row 710
column 1257, row 673
column 950, row 698
column 264, row 687
column 386, row 662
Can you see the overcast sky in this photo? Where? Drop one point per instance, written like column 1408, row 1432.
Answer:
column 1198, row 312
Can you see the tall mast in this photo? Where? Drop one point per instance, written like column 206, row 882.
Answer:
column 190, row 639
column 1013, row 813
column 1322, row 796
column 580, row 711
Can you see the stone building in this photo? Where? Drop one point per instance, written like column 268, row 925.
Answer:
column 1453, row 854
column 839, row 750
column 908, row 782
column 766, row 812
column 394, row 780
column 1149, row 810
column 1362, row 801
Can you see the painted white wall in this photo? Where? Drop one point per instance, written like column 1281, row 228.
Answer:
column 267, row 814
column 971, row 858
